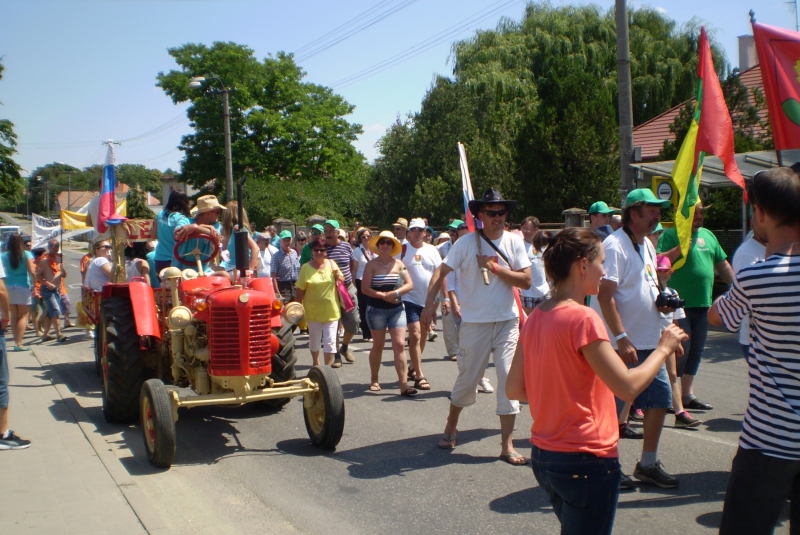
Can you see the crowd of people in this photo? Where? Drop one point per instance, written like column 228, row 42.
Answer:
column 592, row 327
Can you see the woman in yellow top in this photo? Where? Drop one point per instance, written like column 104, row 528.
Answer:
column 316, row 290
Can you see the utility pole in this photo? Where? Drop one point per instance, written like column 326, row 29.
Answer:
column 627, row 173
column 69, row 190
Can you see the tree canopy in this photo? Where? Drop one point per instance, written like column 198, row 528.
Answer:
column 535, row 104
column 11, row 183
column 283, row 129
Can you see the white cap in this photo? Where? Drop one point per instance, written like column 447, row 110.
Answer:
column 417, row 222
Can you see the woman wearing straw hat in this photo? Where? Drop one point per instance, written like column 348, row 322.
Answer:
column 384, row 283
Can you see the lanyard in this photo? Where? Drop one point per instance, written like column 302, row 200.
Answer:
column 641, row 256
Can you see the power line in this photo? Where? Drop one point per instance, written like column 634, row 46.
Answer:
column 340, row 28
column 427, row 44
column 367, row 24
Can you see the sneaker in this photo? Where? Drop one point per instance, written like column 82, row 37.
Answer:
column 626, row 483
column 13, row 442
column 90, row 334
column 626, row 431
column 696, row 404
column 655, row 475
column 637, row 415
column 432, row 336
column 337, row 362
column 684, row 419
column 485, row 386
column 349, row 357
column 454, row 357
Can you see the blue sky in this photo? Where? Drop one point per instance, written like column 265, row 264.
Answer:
column 78, row 72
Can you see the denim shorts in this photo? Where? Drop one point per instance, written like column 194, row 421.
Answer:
column 380, row 318
column 52, row 302
column 658, row 394
column 413, row 312
column 582, row 488
column 533, row 302
column 3, row 374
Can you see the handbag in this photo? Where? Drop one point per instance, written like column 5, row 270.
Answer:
column 345, row 301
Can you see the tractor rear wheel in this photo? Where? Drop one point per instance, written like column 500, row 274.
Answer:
column 323, row 410
column 98, row 350
column 123, row 375
column 158, row 425
column 283, row 364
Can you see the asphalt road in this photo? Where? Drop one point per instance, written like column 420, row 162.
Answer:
column 239, row 469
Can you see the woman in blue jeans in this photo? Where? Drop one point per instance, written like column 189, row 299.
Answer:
column 384, row 283
column 568, row 372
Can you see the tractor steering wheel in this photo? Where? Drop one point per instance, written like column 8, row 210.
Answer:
column 202, row 256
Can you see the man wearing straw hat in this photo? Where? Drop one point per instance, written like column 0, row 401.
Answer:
column 491, row 263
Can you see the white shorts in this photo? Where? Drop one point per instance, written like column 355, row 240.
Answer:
column 477, row 341
column 19, row 295
column 322, row 336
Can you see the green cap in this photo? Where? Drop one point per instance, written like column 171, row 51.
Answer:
column 285, row 234
column 646, row 196
column 455, row 223
column 332, row 222
column 600, row 208
column 318, row 227
column 658, row 228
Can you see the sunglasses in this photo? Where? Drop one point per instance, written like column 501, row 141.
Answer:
column 495, row 213
column 416, row 229
column 320, row 250
column 385, row 242
column 301, row 239
column 104, row 247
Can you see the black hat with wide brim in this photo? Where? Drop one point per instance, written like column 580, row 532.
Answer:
column 491, row 196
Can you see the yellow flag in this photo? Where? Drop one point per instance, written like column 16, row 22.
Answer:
column 686, row 182
column 76, row 221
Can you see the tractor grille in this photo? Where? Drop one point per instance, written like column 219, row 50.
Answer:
column 226, row 327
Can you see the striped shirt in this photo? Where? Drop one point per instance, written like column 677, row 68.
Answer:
column 384, row 283
column 285, row 266
column 770, row 293
column 342, row 254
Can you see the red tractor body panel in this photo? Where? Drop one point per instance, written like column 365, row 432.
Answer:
column 264, row 285
column 144, row 310
column 240, row 339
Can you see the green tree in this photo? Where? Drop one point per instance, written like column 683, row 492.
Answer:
column 283, row 130
column 137, row 176
column 137, row 205
column 11, row 183
column 48, row 181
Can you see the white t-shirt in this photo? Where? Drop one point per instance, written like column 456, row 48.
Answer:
column 495, row 302
column 748, row 253
column 444, row 248
column 265, row 261
column 637, row 289
column 95, row 277
column 361, row 255
column 539, row 286
column 420, row 265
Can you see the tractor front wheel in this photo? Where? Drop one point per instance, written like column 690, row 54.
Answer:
column 323, row 410
column 158, row 425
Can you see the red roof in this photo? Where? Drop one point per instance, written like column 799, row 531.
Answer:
column 650, row 136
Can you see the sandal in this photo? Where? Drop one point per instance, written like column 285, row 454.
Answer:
column 20, row 348
column 374, row 387
column 62, row 338
column 421, row 383
column 409, row 392
column 448, row 442
column 514, row 459
column 411, row 374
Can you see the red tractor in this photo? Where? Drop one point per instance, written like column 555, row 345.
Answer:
column 200, row 340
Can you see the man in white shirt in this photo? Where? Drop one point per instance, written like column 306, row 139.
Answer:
column 627, row 303
column 421, row 260
column 266, row 250
column 490, row 319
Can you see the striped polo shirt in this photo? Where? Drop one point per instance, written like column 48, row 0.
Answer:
column 770, row 292
column 342, row 254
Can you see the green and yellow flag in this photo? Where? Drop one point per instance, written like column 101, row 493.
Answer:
column 711, row 132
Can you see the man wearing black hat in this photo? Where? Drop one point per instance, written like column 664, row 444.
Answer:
column 490, row 320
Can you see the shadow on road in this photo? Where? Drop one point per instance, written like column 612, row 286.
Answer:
column 532, row 500
column 727, row 425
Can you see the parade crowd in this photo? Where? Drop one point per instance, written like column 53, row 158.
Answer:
column 591, row 327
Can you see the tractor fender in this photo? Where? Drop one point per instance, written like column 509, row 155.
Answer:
column 144, row 310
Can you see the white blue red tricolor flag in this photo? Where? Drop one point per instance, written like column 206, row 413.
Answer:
column 107, row 213
column 466, row 187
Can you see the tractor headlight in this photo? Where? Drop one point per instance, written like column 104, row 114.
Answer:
column 293, row 313
column 179, row 317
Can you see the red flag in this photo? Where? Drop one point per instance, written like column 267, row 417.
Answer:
column 779, row 55
column 715, row 135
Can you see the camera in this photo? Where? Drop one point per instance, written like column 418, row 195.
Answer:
column 666, row 299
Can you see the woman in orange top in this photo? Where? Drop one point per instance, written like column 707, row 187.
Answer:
column 568, row 372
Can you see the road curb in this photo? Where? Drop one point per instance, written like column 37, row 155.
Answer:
column 150, row 519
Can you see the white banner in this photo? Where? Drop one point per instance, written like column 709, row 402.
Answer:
column 44, row 229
